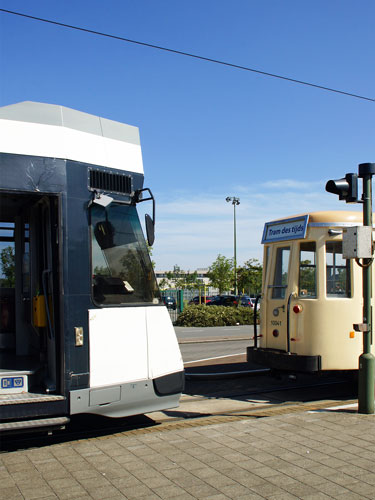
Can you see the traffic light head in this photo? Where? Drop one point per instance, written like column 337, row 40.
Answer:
column 346, row 188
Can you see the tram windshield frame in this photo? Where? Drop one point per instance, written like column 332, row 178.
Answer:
column 121, row 268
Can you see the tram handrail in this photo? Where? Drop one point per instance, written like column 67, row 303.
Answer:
column 257, row 298
column 291, row 295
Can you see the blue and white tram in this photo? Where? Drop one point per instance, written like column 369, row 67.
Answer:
column 83, row 329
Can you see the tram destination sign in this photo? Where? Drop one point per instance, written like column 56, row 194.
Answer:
column 288, row 229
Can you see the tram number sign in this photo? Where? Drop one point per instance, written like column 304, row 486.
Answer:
column 288, row 229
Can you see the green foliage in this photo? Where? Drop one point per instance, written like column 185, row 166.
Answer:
column 164, row 284
column 220, row 273
column 183, row 280
column 249, row 276
column 215, row 316
column 8, row 267
column 101, row 271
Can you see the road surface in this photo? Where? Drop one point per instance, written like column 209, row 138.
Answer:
column 198, row 344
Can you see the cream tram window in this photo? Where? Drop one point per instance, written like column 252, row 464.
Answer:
column 338, row 271
column 307, row 270
column 280, row 280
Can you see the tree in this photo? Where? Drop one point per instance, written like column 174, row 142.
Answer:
column 164, row 283
column 190, row 280
column 249, row 276
column 8, row 267
column 220, row 273
column 182, row 279
column 174, row 276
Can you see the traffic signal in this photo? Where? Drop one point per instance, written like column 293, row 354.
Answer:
column 346, row 188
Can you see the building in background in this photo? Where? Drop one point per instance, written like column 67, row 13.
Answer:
column 166, row 281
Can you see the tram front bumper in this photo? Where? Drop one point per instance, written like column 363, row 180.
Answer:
column 281, row 360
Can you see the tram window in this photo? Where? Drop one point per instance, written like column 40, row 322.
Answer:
column 7, row 255
column 338, row 271
column 307, row 270
column 280, row 280
column 7, row 277
column 121, row 267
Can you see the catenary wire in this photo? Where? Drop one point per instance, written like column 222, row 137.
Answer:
column 188, row 54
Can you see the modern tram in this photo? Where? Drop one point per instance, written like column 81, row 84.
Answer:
column 83, row 328
column 311, row 295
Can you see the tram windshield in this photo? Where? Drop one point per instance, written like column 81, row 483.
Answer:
column 122, row 272
column 280, row 281
column 307, row 270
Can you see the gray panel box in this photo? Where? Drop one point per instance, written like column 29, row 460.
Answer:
column 357, row 242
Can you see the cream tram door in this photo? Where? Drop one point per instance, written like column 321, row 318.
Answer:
column 279, row 287
column 278, row 293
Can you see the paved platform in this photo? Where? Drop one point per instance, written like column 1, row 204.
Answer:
column 303, row 455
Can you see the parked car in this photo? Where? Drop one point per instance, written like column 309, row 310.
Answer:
column 224, row 300
column 247, row 301
column 253, row 303
column 195, row 300
column 170, row 302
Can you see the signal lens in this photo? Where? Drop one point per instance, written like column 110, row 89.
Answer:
column 275, row 333
column 297, row 308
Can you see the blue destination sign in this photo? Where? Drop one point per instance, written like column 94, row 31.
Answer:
column 288, row 229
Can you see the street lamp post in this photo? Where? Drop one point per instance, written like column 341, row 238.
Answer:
column 235, row 201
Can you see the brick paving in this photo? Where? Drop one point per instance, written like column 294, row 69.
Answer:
column 310, row 456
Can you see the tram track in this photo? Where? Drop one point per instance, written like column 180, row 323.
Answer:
column 87, row 427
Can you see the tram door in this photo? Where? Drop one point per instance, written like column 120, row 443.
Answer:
column 29, row 289
column 278, row 292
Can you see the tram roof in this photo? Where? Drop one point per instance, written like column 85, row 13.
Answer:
column 50, row 130
column 334, row 216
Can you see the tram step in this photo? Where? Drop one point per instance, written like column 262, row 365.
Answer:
column 50, row 423
column 29, row 397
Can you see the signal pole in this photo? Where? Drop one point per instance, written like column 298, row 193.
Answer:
column 366, row 360
column 347, row 189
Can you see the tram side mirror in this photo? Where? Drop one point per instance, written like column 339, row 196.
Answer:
column 346, row 188
column 150, row 230
column 104, row 234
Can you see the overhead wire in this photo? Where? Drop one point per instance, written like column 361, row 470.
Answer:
column 188, row 54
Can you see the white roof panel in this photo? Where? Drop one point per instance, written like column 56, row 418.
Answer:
column 49, row 130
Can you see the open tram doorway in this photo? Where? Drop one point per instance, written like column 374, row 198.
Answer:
column 29, row 293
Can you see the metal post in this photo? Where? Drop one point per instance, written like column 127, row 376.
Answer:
column 235, row 201
column 180, row 295
column 235, row 250
column 366, row 360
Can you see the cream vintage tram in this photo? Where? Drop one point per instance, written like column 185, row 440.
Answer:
column 311, row 295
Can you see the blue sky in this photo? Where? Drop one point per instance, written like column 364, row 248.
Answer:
column 209, row 131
